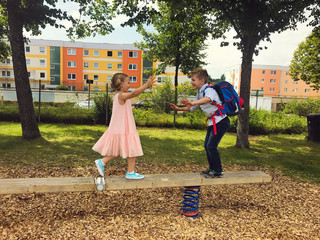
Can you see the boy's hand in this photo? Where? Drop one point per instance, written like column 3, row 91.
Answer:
column 186, row 102
column 174, row 107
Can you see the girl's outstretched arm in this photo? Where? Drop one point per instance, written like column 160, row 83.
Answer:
column 124, row 96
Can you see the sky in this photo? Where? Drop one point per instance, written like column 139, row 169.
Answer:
column 279, row 52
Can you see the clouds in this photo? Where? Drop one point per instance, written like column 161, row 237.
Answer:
column 279, row 52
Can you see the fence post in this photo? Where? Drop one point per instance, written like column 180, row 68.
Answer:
column 39, row 100
column 107, row 106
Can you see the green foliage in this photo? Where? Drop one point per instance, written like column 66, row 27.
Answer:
column 302, row 107
column 61, row 87
column 100, row 109
column 305, row 64
column 162, row 96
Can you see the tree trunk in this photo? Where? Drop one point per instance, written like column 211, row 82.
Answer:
column 243, row 119
column 28, row 119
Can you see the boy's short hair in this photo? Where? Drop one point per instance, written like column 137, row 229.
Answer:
column 200, row 73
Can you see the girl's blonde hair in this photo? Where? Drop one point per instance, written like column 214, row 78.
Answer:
column 116, row 80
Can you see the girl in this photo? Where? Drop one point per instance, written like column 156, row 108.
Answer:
column 121, row 139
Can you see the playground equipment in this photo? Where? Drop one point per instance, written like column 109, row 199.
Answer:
column 84, row 184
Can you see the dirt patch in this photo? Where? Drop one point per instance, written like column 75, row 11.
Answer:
column 283, row 209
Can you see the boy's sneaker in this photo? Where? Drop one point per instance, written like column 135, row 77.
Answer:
column 213, row 174
column 134, row 175
column 100, row 166
column 205, row 172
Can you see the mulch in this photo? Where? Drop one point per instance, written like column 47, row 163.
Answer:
column 282, row 209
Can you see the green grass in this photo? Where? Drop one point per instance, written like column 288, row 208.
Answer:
column 70, row 146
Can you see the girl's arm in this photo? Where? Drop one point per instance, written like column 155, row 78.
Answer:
column 124, row 96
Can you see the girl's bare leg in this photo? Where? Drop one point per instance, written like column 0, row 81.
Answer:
column 131, row 164
column 107, row 159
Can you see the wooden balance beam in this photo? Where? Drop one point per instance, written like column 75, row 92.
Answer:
column 83, row 184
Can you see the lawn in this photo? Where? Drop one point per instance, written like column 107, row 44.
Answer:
column 69, row 146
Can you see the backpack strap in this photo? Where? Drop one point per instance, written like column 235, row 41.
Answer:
column 213, row 124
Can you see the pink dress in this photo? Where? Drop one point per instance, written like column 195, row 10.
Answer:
column 121, row 138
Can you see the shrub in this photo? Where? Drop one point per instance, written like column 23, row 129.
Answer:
column 100, row 108
column 61, row 87
column 302, row 107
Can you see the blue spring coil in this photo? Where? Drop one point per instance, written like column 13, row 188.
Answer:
column 190, row 201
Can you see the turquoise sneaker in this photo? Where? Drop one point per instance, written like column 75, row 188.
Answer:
column 134, row 175
column 100, row 166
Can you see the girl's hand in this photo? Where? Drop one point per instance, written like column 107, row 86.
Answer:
column 151, row 81
column 186, row 102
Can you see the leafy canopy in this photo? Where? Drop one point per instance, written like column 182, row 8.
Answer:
column 305, row 64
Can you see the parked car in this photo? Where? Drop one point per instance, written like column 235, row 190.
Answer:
column 84, row 104
column 143, row 104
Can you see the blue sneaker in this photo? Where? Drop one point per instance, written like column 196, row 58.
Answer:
column 99, row 166
column 134, row 175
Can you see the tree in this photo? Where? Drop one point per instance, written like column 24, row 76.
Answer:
column 253, row 22
column 305, row 64
column 32, row 15
column 178, row 40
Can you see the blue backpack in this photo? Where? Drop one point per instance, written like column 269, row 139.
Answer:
column 231, row 103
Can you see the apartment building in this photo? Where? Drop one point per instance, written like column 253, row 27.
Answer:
column 73, row 63
column 273, row 80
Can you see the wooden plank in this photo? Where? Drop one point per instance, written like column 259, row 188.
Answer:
column 79, row 184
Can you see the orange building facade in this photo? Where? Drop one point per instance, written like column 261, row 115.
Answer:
column 273, row 80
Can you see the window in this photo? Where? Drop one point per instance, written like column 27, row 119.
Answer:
column 28, row 62
column 3, row 73
column 273, row 72
column 159, row 79
column 295, row 82
column 27, row 49
column 307, row 90
column 109, row 53
column 42, row 50
column 71, row 76
column 262, row 88
column 272, row 81
column 52, row 79
column 42, row 75
column 42, row 62
column 95, row 77
column 263, row 71
column 85, row 77
column 287, row 73
column 52, row 48
column 295, row 90
column 132, row 66
column 85, row 52
column 72, row 51
column 262, row 80
column 120, row 54
column 133, row 79
column 52, row 66
column 109, row 65
column 133, row 54
column 85, row 64
column 109, row 77
column 8, row 61
column 8, row 73
column 285, row 89
column 96, row 53
column 96, row 65
column 119, row 66
column 285, row 81
column 72, row 64
column 272, row 89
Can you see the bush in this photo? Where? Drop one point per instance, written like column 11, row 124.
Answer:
column 61, row 87
column 302, row 107
column 100, row 108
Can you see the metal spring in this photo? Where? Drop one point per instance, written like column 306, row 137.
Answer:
column 190, row 201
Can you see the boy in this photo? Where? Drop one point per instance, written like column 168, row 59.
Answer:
column 199, row 78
